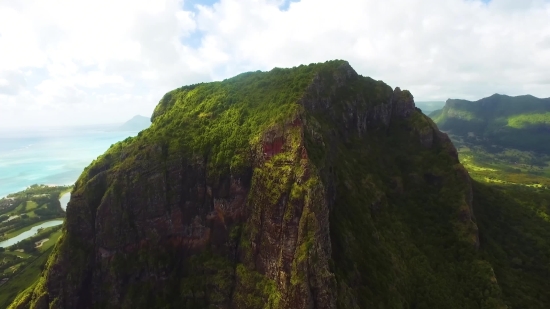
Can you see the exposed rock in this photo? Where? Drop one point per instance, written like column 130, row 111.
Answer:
column 159, row 224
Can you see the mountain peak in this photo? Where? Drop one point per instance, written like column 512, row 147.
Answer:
column 292, row 188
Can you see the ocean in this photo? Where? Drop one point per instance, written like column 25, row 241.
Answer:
column 52, row 155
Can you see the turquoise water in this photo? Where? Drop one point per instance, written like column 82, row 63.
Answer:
column 51, row 155
column 63, row 200
column 33, row 231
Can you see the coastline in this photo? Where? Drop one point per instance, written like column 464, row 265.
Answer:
column 29, row 227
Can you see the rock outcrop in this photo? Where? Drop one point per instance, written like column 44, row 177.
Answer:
column 314, row 209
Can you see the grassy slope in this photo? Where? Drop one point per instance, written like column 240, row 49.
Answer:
column 29, row 273
column 220, row 120
column 486, row 159
column 505, row 166
column 521, row 122
column 512, row 196
column 23, row 280
column 396, row 238
column 512, row 205
column 22, row 230
column 17, row 253
column 428, row 107
column 52, row 239
column 29, row 207
column 515, row 238
column 526, row 120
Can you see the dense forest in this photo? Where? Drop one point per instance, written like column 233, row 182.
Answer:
column 514, row 224
column 309, row 187
column 521, row 122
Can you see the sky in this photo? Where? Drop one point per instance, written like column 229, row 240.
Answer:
column 67, row 62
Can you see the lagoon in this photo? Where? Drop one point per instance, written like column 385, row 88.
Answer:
column 54, row 155
column 33, row 231
column 64, row 200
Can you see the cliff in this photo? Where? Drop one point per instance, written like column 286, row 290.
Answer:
column 310, row 187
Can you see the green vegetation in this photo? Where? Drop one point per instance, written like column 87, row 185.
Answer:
column 52, row 239
column 19, row 212
column 341, row 196
column 499, row 165
column 521, row 122
column 33, row 206
column 22, row 269
column 66, row 190
column 29, row 244
column 24, row 279
column 404, row 203
column 512, row 197
column 510, row 146
column 429, row 106
column 529, row 120
column 221, row 120
column 17, row 232
column 515, row 235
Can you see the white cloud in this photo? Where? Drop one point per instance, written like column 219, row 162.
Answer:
column 105, row 61
column 437, row 49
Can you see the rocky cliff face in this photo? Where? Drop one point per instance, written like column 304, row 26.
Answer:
column 340, row 195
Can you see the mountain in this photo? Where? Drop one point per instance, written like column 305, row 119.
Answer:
column 309, row 187
column 429, row 106
column 521, row 122
column 137, row 123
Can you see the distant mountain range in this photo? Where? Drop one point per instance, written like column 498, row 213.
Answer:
column 429, row 106
column 137, row 123
column 298, row 188
column 521, row 122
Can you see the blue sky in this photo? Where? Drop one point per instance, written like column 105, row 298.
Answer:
column 103, row 61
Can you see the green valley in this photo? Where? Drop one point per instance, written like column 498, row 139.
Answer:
column 306, row 187
column 511, row 187
column 21, row 213
column 501, row 139
column 521, row 122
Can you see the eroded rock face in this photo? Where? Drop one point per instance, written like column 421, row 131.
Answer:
column 272, row 223
column 159, row 230
column 350, row 110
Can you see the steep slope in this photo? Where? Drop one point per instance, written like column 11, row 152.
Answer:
column 310, row 187
column 514, row 225
column 521, row 122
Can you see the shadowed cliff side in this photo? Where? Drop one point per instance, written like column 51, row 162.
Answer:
column 310, row 187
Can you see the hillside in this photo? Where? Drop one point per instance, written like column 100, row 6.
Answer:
column 521, row 122
column 20, row 255
column 310, row 187
column 501, row 139
column 428, row 107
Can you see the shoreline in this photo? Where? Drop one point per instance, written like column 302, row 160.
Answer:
column 29, row 227
column 61, row 221
column 68, row 190
column 71, row 185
